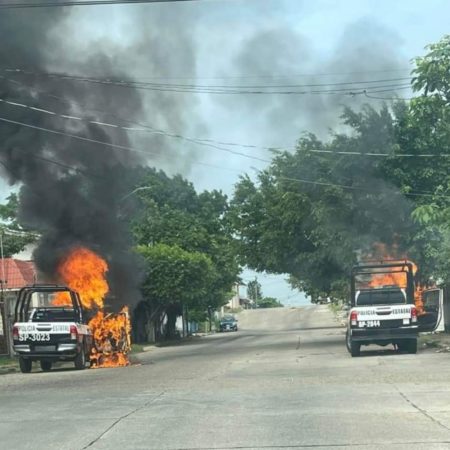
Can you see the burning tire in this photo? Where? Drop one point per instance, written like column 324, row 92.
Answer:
column 46, row 366
column 25, row 365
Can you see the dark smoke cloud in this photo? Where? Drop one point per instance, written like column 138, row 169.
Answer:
column 364, row 46
column 71, row 191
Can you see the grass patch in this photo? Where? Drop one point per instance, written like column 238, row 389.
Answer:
column 432, row 344
column 7, row 361
column 139, row 348
column 335, row 307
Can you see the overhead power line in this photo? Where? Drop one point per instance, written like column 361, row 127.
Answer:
column 108, row 80
column 148, row 128
column 274, row 76
column 355, row 87
column 133, row 149
column 360, row 188
column 107, row 144
column 211, row 142
column 143, row 128
column 47, row 4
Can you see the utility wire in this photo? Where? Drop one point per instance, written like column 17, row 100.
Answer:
column 150, row 130
column 210, row 142
column 357, row 188
column 396, row 83
column 108, row 144
column 109, row 80
column 387, row 98
column 275, row 76
column 46, row 4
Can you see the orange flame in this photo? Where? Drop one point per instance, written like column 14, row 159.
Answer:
column 84, row 272
column 380, row 252
column 418, row 300
column 111, row 334
column 388, row 279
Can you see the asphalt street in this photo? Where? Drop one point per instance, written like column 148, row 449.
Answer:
column 284, row 380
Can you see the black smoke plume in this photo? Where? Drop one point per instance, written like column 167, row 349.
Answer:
column 71, row 191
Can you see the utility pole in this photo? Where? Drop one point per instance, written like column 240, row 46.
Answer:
column 2, row 299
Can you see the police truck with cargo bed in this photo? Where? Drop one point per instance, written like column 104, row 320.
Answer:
column 383, row 309
column 48, row 333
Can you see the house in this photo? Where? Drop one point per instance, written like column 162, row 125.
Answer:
column 237, row 301
column 14, row 274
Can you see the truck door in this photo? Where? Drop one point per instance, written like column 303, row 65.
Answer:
column 433, row 306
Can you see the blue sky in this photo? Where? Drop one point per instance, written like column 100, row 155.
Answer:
column 227, row 41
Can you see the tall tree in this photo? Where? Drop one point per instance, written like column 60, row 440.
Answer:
column 254, row 291
column 175, row 278
column 14, row 237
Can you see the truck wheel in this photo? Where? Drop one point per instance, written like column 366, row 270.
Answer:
column 25, row 365
column 46, row 366
column 80, row 360
column 412, row 346
column 353, row 348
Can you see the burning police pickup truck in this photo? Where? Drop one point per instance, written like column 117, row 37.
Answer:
column 47, row 333
column 69, row 323
column 383, row 306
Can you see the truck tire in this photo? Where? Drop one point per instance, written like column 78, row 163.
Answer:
column 25, row 365
column 412, row 346
column 46, row 366
column 80, row 360
column 353, row 347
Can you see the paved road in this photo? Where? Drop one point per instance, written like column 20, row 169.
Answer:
column 284, row 381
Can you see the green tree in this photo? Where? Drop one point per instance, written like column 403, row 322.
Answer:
column 423, row 129
column 314, row 211
column 176, row 278
column 169, row 211
column 254, row 291
column 269, row 302
column 14, row 237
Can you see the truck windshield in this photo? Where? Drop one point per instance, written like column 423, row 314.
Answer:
column 383, row 296
column 52, row 315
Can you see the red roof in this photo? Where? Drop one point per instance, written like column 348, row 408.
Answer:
column 17, row 273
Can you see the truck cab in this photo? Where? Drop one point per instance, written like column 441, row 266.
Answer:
column 383, row 307
column 50, row 325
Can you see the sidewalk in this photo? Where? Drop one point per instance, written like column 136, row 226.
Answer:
column 439, row 342
column 8, row 365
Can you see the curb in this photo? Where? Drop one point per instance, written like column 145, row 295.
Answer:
column 8, row 369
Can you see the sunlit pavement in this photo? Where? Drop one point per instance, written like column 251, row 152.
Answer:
column 285, row 380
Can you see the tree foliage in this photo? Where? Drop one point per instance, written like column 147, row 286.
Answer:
column 14, row 237
column 254, row 291
column 269, row 302
column 176, row 276
column 170, row 214
column 315, row 211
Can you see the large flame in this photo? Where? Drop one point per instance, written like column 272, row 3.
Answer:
column 112, row 337
column 84, row 271
column 381, row 252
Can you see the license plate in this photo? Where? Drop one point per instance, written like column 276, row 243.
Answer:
column 34, row 337
column 369, row 324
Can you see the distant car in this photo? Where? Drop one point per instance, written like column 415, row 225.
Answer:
column 228, row 323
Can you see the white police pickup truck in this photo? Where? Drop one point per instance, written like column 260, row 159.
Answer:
column 47, row 333
column 382, row 307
